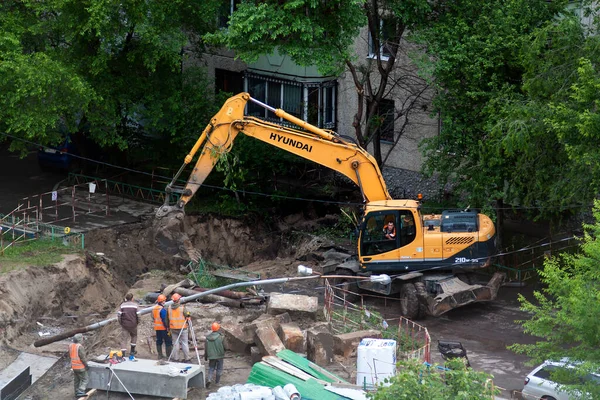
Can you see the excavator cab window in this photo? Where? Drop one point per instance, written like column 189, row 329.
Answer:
column 408, row 229
column 379, row 233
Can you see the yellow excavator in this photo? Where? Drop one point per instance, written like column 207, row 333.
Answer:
column 430, row 258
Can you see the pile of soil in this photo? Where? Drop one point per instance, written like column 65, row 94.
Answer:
column 83, row 289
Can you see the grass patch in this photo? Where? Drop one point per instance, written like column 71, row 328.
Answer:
column 35, row 253
column 208, row 281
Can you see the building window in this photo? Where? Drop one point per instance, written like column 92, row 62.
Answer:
column 228, row 81
column 385, row 120
column 226, row 8
column 386, row 31
column 321, row 105
column 314, row 103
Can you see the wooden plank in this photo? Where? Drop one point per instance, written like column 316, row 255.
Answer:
column 179, row 398
column 88, row 395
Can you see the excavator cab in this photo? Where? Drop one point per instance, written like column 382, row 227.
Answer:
column 385, row 231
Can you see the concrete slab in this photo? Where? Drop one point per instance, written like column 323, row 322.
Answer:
column 296, row 305
column 346, row 344
column 38, row 365
column 147, row 377
column 22, row 372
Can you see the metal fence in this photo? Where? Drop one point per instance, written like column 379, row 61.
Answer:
column 413, row 340
column 123, row 189
column 14, row 229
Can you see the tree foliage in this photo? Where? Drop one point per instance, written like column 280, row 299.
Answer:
column 518, row 101
column 325, row 34
column 114, row 70
column 475, row 59
column 564, row 315
column 415, row 380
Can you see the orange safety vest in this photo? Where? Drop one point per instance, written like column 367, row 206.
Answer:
column 158, row 323
column 176, row 318
column 76, row 363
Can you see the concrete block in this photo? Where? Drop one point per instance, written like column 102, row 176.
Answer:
column 346, row 344
column 236, row 338
column 292, row 337
column 146, row 377
column 296, row 305
column 255, row 355
column 17, row 385
column 319, row 344
column 266, row 319
column 267, row 341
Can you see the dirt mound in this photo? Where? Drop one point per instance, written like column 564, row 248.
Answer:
column 171, row 243
column 67, row 290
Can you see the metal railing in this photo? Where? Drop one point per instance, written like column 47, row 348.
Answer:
column 15, row 230
column 413, row 340
column 123, row 189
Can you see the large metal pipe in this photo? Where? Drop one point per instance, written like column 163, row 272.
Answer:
column 98, row 325
column 226, row 293
column 211, row 298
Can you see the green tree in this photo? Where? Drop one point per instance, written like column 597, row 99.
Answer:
column 517, row 97
column 112, row 69
column 324, row 33
column 474, row 50
column 548, row 132
column 564, row 315
column 415, row 380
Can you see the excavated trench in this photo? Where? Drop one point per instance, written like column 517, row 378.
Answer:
column 83, row 289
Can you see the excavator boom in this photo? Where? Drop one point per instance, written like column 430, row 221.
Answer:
column 319, row 145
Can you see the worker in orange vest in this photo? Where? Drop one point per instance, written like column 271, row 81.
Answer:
column 178, row 326
column 161, row 327
column 79, row 365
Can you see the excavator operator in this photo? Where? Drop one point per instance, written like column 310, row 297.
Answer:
column 389, row 231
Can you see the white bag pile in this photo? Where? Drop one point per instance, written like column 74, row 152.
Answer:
column 250, row 391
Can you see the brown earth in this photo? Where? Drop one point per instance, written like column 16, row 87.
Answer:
column 87, row 288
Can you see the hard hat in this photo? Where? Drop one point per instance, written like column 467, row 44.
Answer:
column 176, row 297
column 161, row 298
column 215, row 326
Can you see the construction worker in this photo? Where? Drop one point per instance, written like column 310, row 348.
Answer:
column 128, row 318
column 214, row 353
column 79, row 365
column 161, row 327
column 178, row 326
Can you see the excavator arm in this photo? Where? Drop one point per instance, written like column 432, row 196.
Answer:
column 321, row 146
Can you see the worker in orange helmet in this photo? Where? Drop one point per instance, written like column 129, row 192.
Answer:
column 214, row 353
column 79, row 365
column 177, row 318
column 161, row 327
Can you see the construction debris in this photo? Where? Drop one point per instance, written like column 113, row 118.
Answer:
column 267, row 340
column 297, row 306
column 292, row 337
column 319, row 344
column 346, row 344
column 236, row 339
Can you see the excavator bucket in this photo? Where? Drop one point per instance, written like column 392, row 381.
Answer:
column 457, row 293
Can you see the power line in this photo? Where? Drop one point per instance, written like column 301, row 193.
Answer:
column 278, row 196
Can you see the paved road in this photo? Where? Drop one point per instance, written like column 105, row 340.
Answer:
column 485, row 330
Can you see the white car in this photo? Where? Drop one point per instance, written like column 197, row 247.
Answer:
column 538, row 384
